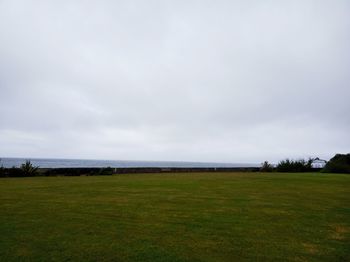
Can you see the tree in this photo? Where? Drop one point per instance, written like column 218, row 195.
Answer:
column 340, row 163
column 300, row 165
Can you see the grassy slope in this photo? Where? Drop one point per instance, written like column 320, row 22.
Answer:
column 176, row 217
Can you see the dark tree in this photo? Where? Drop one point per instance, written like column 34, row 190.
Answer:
column 340, row 163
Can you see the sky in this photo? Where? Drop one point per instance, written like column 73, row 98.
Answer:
column 212, row 81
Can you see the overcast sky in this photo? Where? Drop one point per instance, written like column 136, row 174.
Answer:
column 219, row 81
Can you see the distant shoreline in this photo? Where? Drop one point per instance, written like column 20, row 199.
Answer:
column 9, row 162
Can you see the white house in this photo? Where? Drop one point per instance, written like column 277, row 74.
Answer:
column 318, row 163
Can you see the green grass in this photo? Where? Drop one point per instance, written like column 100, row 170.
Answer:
column 176, row 217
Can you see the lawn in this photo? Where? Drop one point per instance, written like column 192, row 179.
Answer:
column 176, row 217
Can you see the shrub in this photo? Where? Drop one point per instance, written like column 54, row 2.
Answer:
column 28, row 169
column 106, row 171
column 266, row 167
column 2, row 169
column 340, row 163
column 13, row 172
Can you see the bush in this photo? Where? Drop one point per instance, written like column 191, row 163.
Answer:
column 2, row 170
column 28, row 169
column 13, row 172
column 340, row 163
column 106, row 171
column 266, row 167
column 300, row 165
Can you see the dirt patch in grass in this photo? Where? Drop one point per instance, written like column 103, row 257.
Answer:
column 339, row 231
column 311, row 248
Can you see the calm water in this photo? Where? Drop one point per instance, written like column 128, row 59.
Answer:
column 54, row 163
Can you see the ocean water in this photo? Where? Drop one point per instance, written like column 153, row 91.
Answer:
column 56, row 163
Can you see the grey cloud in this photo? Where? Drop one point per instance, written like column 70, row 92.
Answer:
column 231, row 81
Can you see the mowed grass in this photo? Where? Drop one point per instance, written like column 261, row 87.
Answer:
column 176, row 217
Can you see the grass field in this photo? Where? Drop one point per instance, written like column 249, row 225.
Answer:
column 176, row 217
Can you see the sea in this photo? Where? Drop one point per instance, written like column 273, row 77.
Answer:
column 61, row 163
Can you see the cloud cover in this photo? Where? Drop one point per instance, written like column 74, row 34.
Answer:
column 220, row 81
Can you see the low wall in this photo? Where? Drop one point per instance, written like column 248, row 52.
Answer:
column 139, row 170
column 82, row 171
